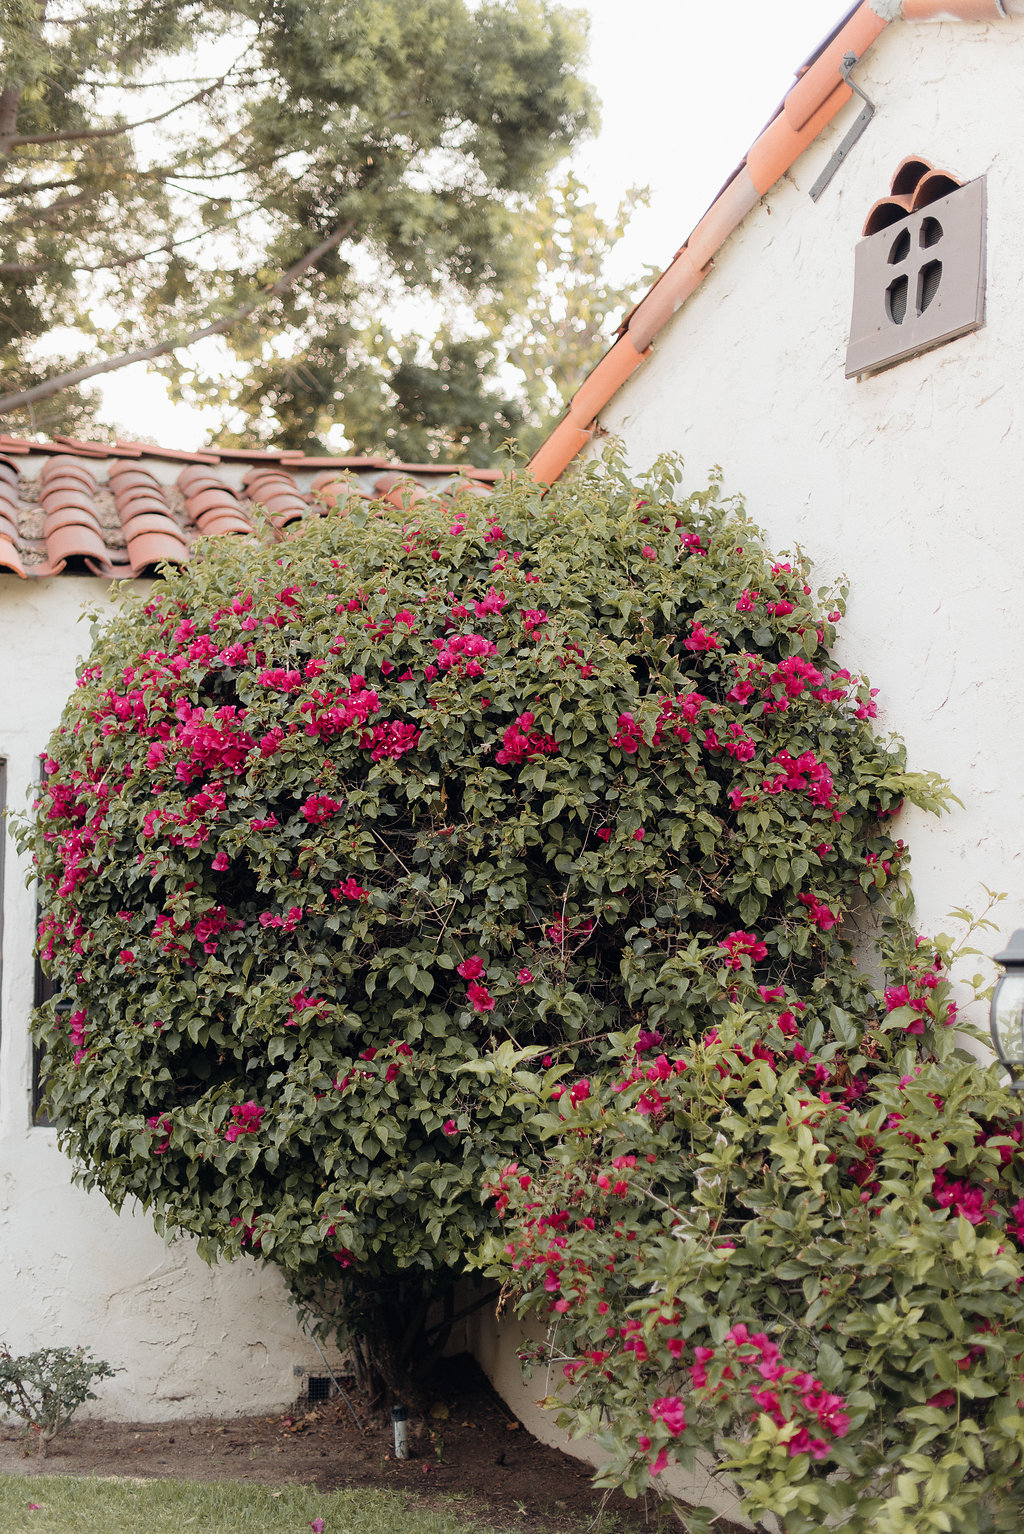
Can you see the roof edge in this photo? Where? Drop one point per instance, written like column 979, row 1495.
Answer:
column 807, row 109
column 288, row 458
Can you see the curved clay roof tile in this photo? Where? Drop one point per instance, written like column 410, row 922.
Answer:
column 9, row 557
column 8, row 471
column 141, row 500
column 908, row 173
column 69, row 516
column 52, row 489
column 262, row 470
column 123, row 475
column 75, row 541
column 219, row 498
column 938, row 183
column 282, row 503
column 70, row 469
column 71, row 500
column 196, row 474
column 152, row 522
column 150, row 549
column 886, row 211
column 216, row 524
column 334, row 489
column 258, row 485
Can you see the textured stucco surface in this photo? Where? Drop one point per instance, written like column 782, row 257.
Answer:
column 191, row 1339
column 908, row 482
column 496, row 1344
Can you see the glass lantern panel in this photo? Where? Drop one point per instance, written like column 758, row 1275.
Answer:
column 1008, row 1021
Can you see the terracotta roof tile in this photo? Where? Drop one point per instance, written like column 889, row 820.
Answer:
column 76, row 507
column 150, row 532
column 10, row 559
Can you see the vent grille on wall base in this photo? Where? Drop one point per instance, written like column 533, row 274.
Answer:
column 319, row 1387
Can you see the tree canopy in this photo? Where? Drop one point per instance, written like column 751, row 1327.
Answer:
column 279, row 174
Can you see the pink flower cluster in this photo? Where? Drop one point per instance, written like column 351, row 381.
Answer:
column 521, row 743
column 701, row 639
column 819, row 914
column 783, row 1388
column 801, row 774
column 740, row 945
column 346, row 708
column 676, row 714
column 479, row 997
column 629, row 736
column 245, row 1120
column 917, row 994
column 390, row 740
column 464, row 652
column 160, row 1124
column 210, row 744
column 319, row 808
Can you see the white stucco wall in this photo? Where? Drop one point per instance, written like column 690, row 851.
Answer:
column 191, row 1339
column 909, row 482
column 496, row 1342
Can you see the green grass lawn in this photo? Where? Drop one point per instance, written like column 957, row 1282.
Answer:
column 79, row 1505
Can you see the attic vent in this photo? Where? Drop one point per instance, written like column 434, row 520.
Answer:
column 919, row 277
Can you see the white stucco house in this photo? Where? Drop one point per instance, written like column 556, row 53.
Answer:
column 842, row 333
column 78, row 522
column 881, row 431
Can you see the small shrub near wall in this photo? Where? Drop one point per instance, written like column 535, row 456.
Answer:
column 334, row 829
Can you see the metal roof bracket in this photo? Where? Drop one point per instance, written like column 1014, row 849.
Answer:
column 867, row 112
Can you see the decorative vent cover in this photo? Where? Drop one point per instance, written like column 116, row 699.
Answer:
column 919, row 277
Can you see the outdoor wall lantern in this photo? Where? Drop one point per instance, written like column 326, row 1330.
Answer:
column 1006, row 1014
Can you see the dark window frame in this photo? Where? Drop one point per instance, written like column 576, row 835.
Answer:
column 43, row 989
column 3, row 848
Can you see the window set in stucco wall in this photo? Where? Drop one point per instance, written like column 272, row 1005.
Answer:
column 919, row 276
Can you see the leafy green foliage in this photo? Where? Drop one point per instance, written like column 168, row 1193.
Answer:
column 350, row 845
column 557, row 317
column 797, row 1245
column 282, row 173
column 47, row 1387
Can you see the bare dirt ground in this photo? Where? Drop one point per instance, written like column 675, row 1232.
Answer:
column 468, row 1445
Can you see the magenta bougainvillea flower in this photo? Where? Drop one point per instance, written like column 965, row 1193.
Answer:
column 245, row 1120
column 480, row 998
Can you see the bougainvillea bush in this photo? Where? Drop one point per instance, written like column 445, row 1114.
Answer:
column 336, row 828
column 799, row 1256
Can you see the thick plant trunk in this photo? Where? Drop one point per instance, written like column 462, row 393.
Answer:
column 394, row 1345
column 394, row 1328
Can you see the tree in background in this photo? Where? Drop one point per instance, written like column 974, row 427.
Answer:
column 506, row 371
column 280, row 175
column 557, row 319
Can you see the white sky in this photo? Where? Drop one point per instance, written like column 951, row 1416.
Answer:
column 685, row 86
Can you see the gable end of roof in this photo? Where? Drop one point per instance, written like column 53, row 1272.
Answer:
column 809, row 106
